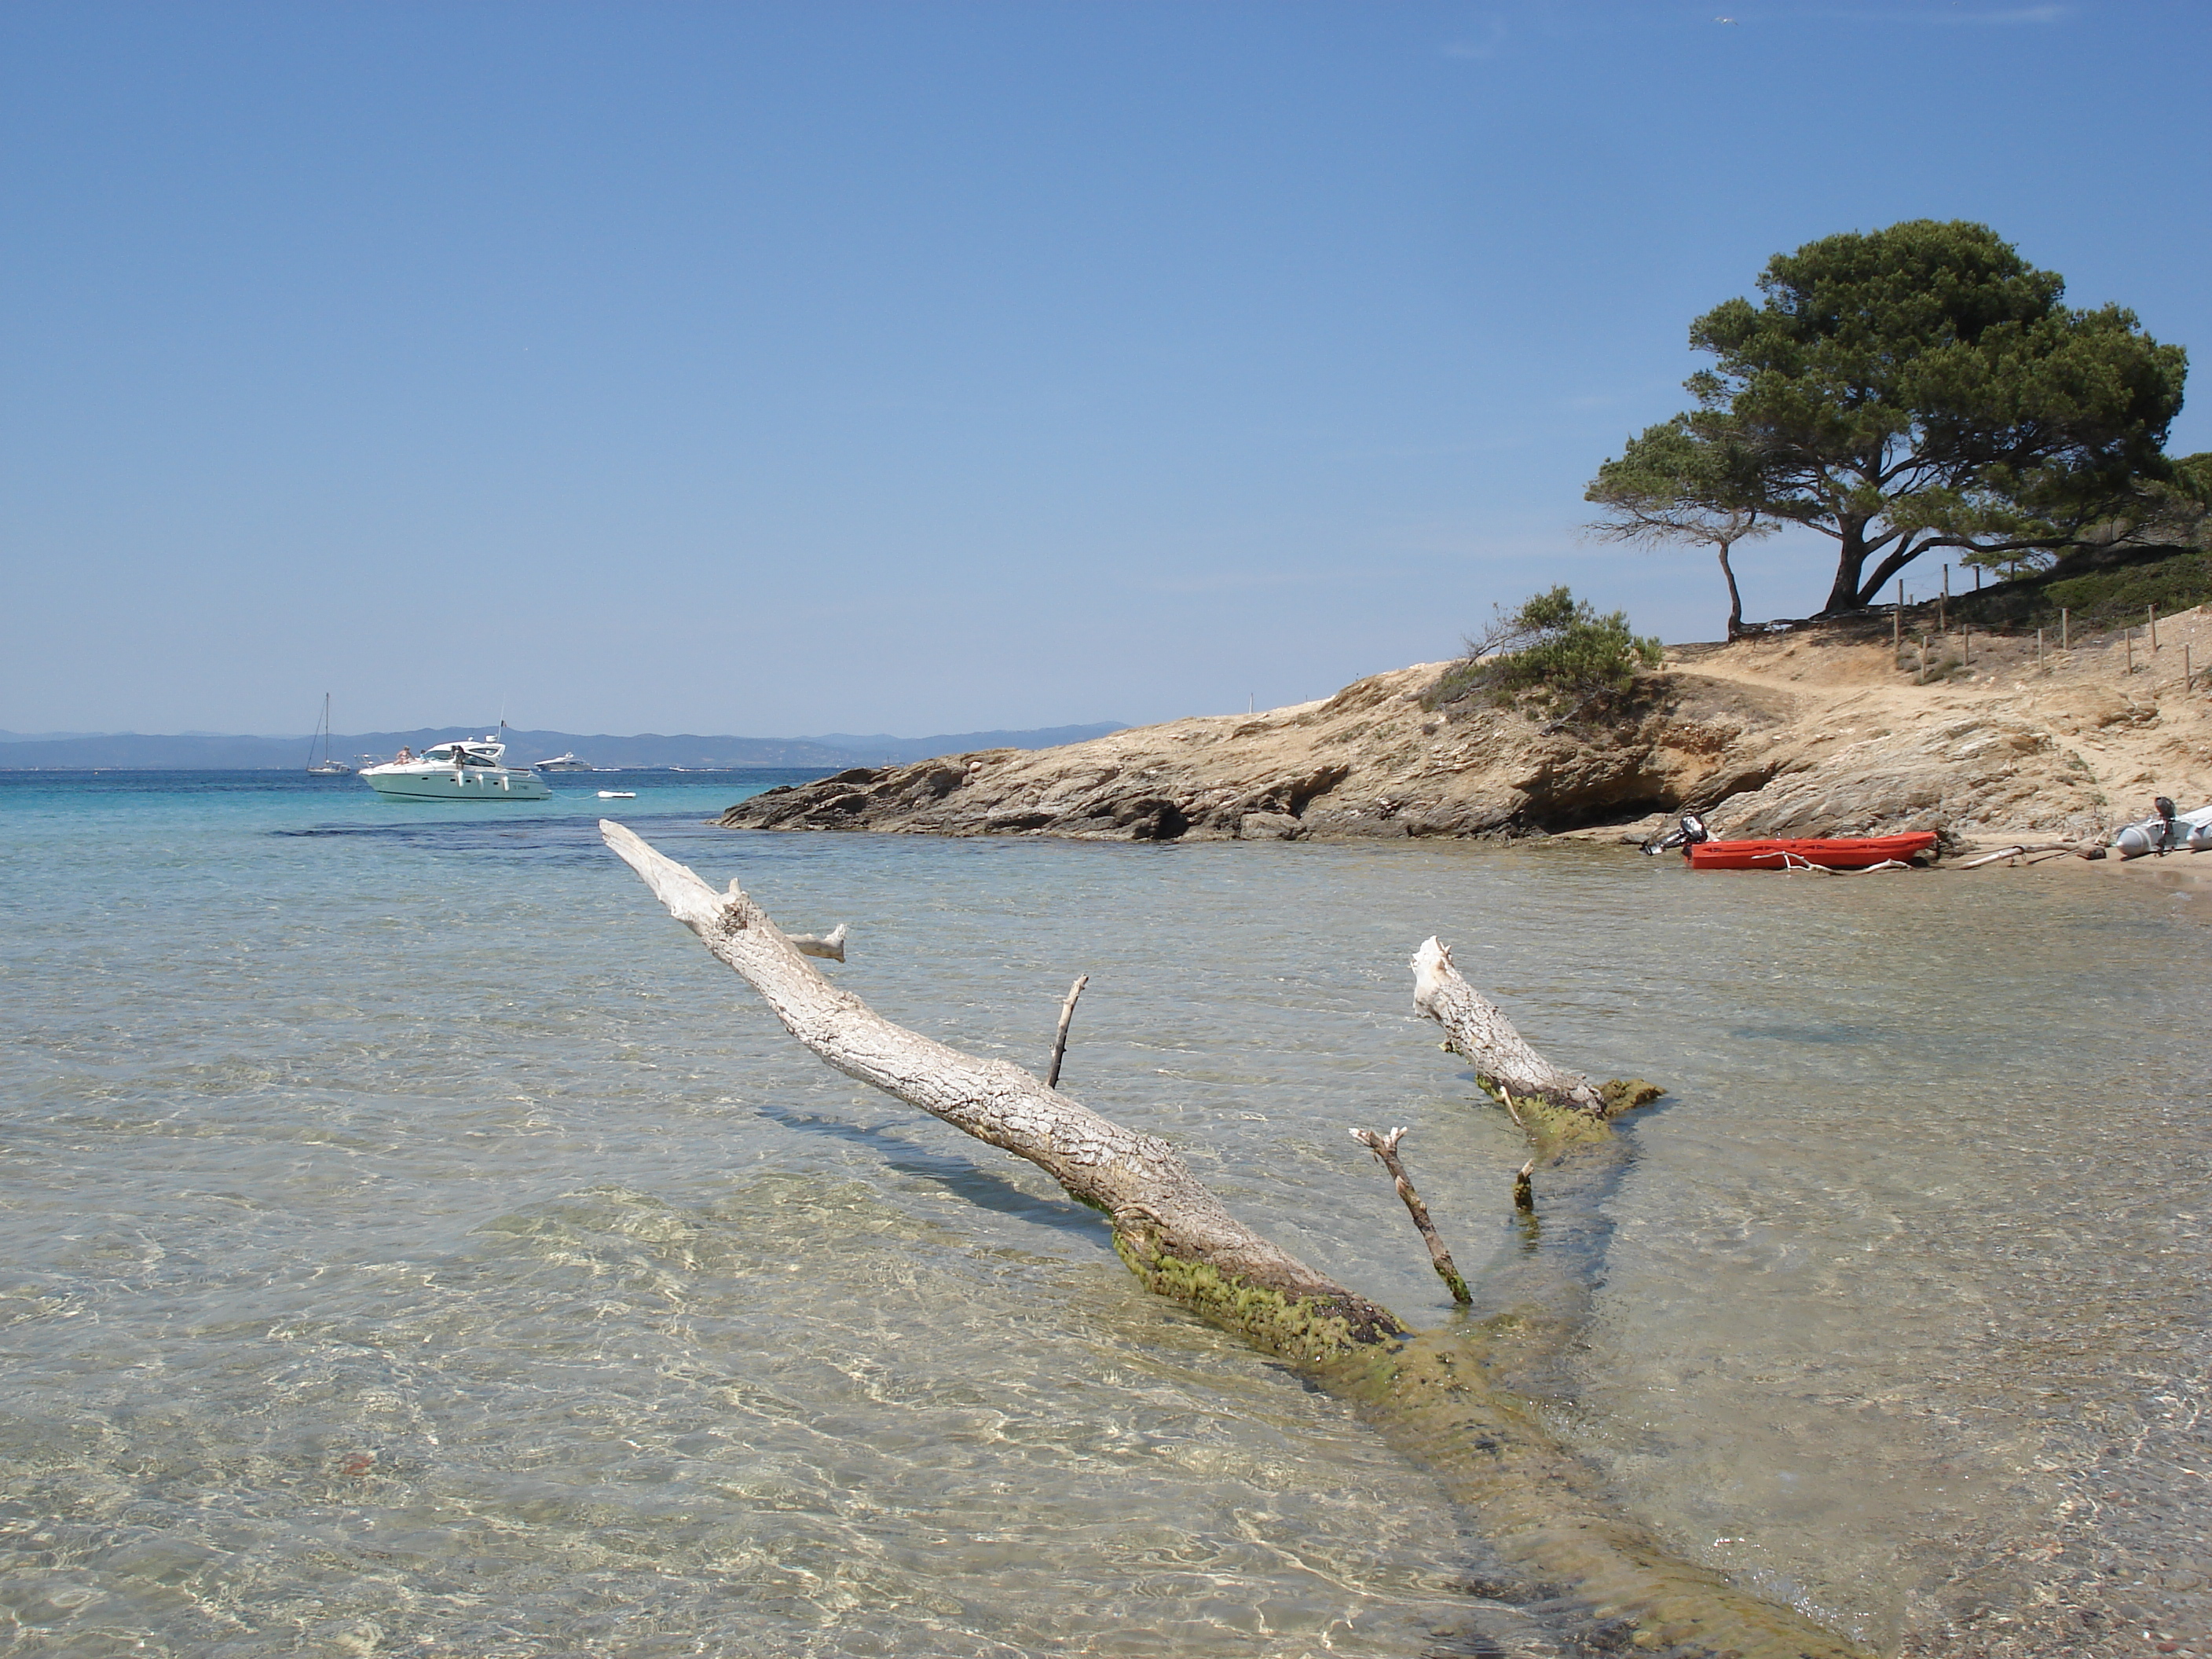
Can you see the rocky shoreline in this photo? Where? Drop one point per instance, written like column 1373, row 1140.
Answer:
column 1820, row 731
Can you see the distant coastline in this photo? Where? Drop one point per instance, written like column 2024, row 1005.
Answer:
column 205, row 752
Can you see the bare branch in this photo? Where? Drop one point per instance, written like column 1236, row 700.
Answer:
column 1385, row 1148
column 1060, row 1036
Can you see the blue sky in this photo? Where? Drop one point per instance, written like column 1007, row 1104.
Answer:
column 928, row 367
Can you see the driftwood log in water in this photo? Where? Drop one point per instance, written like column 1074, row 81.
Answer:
column 1555, row 1108
column 1172, row 1231
column 1559, row 1539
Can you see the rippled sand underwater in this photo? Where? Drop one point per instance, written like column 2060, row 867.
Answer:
column 415, row 1242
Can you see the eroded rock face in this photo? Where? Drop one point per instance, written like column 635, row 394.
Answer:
column 1369, row 761
column 1963, row 777
column 1788, row 739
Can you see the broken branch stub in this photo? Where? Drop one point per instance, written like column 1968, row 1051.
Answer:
column 1173, row 1233
column 1060, row 1036
column 830, row 947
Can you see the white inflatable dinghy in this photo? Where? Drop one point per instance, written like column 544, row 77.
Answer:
column 2169, row 832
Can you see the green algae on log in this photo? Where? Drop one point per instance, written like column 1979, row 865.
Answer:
column 1547, row 1514
column 1544, row 1511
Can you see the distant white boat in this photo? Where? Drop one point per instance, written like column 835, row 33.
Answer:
column 330, row 766
column 617, row 794
column 465, row 770
column 567, row 762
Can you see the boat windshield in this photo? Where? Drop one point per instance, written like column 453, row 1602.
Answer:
column 463, row 754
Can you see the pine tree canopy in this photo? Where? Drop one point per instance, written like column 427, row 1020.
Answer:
column 1908, row 389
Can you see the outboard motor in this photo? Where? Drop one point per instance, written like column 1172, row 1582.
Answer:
column 1688, row 833
column 2160, row 834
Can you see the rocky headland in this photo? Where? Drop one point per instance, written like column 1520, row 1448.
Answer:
column 1821, row 730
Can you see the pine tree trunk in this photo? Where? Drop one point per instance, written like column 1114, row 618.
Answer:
column 1735, row 600
column 1851, row 560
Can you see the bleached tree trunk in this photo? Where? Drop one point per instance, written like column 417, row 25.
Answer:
column 1172, row 1231
column 1548, row 1516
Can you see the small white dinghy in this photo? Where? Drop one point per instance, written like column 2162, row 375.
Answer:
column 2169, row 832
column 617, row 794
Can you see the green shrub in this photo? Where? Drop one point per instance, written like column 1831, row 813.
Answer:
column 2120, row 596
column 2103, row 587
column 1554, row 644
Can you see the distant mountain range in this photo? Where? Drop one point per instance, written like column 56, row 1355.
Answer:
column 202, row 752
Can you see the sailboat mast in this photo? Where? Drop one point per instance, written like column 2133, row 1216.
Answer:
column 322, row 737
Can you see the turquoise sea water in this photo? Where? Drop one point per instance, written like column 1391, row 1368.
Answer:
column 415, row 1243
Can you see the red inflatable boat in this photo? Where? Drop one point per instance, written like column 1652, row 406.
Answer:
column 1840, row 853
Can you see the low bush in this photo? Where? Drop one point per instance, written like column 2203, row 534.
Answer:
column 1554, row 644
column 2120, row 596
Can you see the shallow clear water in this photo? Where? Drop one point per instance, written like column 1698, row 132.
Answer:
column 415, row 1242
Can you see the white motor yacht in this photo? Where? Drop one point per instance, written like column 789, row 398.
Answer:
column 567, row 762
column 468, row 769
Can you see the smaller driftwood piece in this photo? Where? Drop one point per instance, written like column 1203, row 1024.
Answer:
column 1554, row 1107
column 830, row 947
column 2028, row 850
